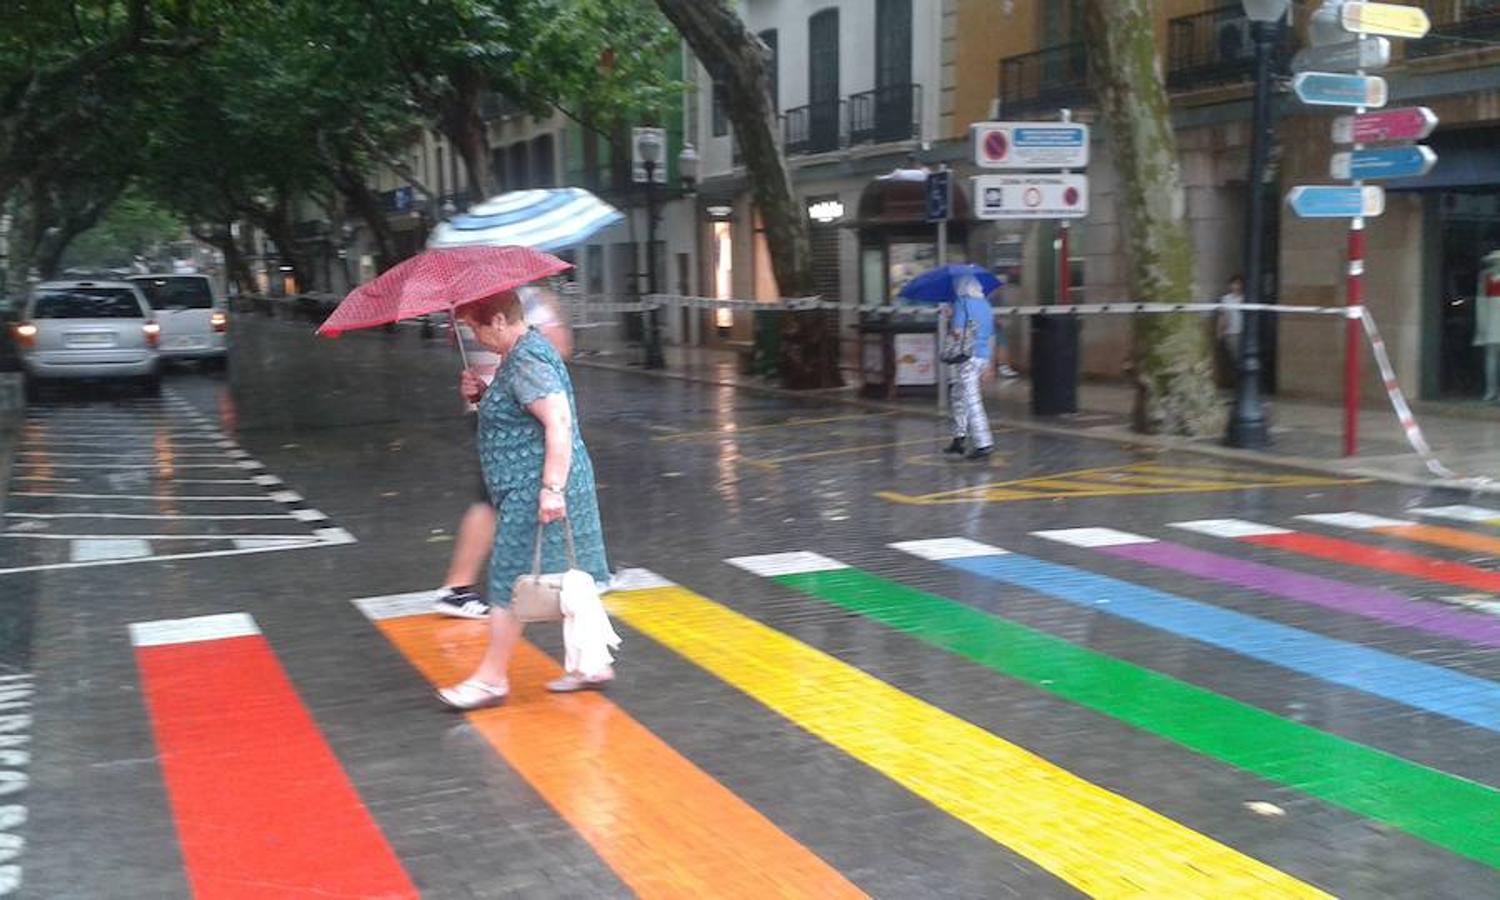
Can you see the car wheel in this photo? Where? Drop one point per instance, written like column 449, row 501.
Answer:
column 151, row 386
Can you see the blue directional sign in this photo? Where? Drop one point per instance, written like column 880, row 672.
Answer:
column 1332, row 89
column 939, row 195
column 1383, row 162
column 1333, row 201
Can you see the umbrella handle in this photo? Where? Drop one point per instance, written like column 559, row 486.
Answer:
column 462, row 354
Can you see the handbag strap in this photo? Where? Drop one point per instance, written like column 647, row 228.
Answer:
column 536, row 556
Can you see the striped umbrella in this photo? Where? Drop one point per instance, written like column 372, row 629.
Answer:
column 547, row 219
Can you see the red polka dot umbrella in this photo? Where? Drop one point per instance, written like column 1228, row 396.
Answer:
column 439, row 281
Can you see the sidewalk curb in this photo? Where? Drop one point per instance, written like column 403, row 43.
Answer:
column 12, row 415
column 1157, row 442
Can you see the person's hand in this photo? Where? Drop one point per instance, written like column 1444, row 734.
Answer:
column 470, row 386
column 551, row 506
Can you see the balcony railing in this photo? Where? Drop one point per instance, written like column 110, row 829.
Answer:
column 1216, row 47
column 890, row 113
column 814, row 128
column 1044, row 80
column 1455, row 24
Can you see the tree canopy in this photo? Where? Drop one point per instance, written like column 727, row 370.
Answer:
column 226, row 110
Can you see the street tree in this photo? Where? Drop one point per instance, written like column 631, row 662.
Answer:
column 1172, row 359
column 134, row 226
column 739, row 64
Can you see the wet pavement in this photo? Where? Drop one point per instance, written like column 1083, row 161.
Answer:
column 851, row 665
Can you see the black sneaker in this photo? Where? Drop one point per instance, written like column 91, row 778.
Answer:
column 461, row 603
column 979, row 452
column 956, row 447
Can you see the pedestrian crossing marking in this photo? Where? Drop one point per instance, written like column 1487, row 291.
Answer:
column 1452, row 812
column 1105, row 845
column 1436, row 535
column 1136, row 479
column 665, row 826
column 1420, row 685
column 1300, row 587
column 1478, row 515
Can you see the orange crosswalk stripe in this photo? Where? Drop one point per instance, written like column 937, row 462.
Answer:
column 666, row 827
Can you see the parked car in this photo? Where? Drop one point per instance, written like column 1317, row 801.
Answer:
column 194, row 318
column 72, row 330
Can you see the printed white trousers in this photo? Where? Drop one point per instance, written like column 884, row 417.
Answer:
column 967, row 403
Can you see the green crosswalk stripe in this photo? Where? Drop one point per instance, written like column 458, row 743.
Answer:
column 1452, row 812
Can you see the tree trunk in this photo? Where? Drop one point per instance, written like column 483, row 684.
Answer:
column 351, row 185
column 462, row 122
column 737, row 60
column 1175, row 391
column 236, row 269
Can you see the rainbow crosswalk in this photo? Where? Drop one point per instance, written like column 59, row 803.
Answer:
column 657, row 817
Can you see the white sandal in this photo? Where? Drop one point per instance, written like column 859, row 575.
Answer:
column 572, row 682
column 473, row 694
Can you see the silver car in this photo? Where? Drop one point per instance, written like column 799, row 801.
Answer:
column 194, row 319
column 88, row 330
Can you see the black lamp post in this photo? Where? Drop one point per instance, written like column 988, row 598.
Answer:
column 1247, row 422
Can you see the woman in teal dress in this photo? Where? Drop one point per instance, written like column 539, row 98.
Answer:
column 537, row 470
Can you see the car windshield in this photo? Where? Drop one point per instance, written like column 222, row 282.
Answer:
column 87, row 303
column 177, row 293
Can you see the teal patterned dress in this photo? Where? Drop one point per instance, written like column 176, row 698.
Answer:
column 511, row 451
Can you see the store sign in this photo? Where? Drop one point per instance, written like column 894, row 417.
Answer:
column 825, row 212
column 1031, row 196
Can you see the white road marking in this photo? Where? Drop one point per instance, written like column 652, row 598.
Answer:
column 946, row 548
column 286, row 497
column 188, row 631
column 637, row 580
column 795, row 563
column 155, row 517
column 125, row 466
column 1228, row 528
column 1460, row 513
column 1354, row 520
column 159, row 537
column 396, row 606
column 168, row 557
column 248, row 498
column 309, row 515
column 267, row 480
column 102, row 549
column 1094, row 537
column 263, row 543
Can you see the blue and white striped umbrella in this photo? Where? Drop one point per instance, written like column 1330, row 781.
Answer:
column 546, row 219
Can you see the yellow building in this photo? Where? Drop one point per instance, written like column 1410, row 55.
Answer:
column 1024, row 59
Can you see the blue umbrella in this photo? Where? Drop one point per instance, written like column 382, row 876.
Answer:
column 941, row 284
column 547, row 219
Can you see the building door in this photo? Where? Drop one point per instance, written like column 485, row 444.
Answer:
column 1469, row 228
column 893, row 79
column 823, row 80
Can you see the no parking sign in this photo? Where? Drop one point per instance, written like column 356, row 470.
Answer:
column 1031, row 145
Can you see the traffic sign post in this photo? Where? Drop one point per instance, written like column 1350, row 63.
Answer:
column 1348, row 56
column 1334, row 89
column 1385, row 18
column 1408, row 123
column 1030, row 145
column 1336, row 201
column 1001, row 197
column 1411, row 161
column 939, row 195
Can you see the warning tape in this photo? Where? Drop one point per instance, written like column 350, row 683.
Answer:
column 1402, row 409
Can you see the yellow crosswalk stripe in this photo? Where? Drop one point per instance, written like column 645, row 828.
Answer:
column 1137, row 479
column 1097, row 841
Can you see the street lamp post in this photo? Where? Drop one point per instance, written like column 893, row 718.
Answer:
column 650, row 147
column 1247, row 422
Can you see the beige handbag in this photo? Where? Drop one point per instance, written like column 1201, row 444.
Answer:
column 536, row 597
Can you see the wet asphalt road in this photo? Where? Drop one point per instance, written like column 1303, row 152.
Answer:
column 368, row 434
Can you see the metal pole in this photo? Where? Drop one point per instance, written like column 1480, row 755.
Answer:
column 1354, row 295
column 654, row 358
column 1247, row 422
column 940, row 367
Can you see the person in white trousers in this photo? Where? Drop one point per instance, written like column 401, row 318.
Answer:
column 1487, row 322
column 971, row 425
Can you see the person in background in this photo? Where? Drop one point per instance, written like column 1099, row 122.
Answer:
column 460, row 596
column 1227, row 328
column 1002, row 336
column 1487, row 322
column 971, row 425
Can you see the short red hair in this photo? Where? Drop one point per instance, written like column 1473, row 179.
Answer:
column 504, row 305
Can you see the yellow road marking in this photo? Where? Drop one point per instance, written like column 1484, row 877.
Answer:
column 820, row 454
column 1114, row 481
column 752, row 429
column 1097, row 841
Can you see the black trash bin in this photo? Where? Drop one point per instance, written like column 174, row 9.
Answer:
column 1054, row 365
